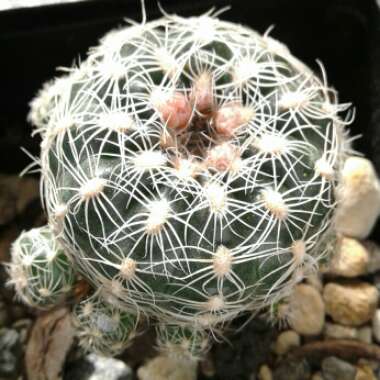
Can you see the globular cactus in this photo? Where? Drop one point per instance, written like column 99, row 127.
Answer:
column 40, row 270
column 182, row 342
column 102, row 327
column 189, row 167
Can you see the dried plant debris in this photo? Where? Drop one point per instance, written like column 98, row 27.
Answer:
column 51, row 339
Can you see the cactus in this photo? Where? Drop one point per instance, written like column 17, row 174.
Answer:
column 181, row 342
column 40, row 270
column 188, row 169
column 102, row 327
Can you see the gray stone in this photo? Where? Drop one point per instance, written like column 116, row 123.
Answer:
column 96, row 367
column 292, row 370
column 10, row 353
column 365, row 334
column 334, row 368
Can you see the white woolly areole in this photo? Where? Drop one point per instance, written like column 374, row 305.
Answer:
column 117, row 121
column 92, row 188
column 27, row 260
column 113, row 289
column 275, row 204
column 128, row 268
column 215, row 303
column 166, row 60
column 216, row 196
column 185, row 169
column 222, row 261
column 44, row 292
column 112, row 68
column 293, row 99
column 149, row 160
column 63, row 124
column 159, row 212
column 271, row 144
column 60, row 211
column 298, row 249
column 323, row 168
column 160, row 96
column 245, row 69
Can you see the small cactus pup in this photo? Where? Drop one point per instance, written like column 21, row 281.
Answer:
column 40, row 271
column 188, row 169
column 182, row 342
column 102, row 327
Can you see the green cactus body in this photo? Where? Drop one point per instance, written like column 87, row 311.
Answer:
column 189, row 168
column 102, row 327
column 40, row 270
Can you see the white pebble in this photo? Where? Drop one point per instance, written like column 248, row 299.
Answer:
column 358, row 197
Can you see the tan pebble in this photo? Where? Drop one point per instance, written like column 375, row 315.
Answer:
column 350, row 258
column 373, row 364
column 265, row 373
column 365, row 373
column 317, row 376
column 306, row 313
column 286, row 341
column 350, row 304
column 168, row 368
